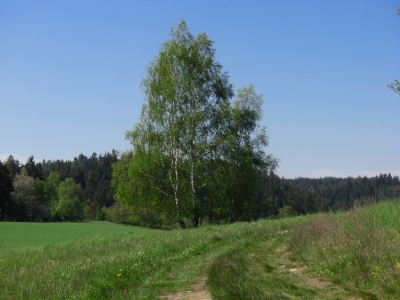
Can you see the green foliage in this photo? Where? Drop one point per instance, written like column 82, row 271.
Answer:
column 40, row 193
column 286, row 211
column 51, row 190
column 70, row 206
column 42, row 211
column 119, row 213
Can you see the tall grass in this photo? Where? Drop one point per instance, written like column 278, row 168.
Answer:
column 359, row 250
column 388, row 213
column 121, row 266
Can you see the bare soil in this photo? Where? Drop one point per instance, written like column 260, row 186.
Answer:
column 199, row 293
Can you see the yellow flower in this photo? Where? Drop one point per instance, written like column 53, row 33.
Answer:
column 398, row 265
column 135, row 264
column 119, row 274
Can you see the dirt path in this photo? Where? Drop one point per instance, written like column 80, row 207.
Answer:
column 325, row 288
column 199, row 293
column 296, row 272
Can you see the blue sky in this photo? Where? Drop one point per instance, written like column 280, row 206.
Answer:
column 70, row 74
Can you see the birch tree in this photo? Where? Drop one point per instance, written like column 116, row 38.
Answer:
column 184, row 89
column 191, row 144
column 24, row 192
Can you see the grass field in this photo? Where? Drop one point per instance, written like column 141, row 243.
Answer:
column 19, row 235
column 353, row 255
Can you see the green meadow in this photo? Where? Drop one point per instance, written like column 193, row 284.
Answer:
column 349, row 255
column 18, row 235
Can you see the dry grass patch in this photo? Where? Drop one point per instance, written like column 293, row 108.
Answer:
column 354, row 250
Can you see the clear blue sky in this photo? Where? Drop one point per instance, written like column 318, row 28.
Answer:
column 70, row 75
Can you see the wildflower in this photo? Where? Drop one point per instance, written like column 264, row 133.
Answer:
column 135, row 264
column 349, row 263
column 51, row 260
column 119, row 274
column 398, row 265
column 324, row 250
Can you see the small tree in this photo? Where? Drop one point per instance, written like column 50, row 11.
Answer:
column 24, row 193
column 70, row 206
column 185, row 88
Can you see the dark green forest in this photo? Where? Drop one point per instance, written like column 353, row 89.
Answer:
column 342, row 193
column 32, row 191
column 56, row 190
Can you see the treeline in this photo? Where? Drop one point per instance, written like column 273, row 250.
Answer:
column 283, row 198
column 342, row 193
column 80, row 189
column 56, row 190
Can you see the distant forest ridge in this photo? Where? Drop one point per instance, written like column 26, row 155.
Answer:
column 91, row 180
